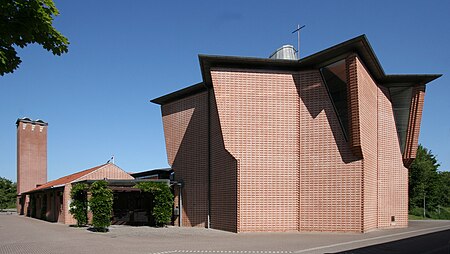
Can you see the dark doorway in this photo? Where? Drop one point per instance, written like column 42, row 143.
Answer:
column 133, row 208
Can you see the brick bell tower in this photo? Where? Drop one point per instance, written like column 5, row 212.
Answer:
column 31, row 157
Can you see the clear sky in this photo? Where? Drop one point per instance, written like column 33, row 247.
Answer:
column 122, row 54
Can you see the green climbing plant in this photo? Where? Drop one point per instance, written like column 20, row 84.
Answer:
column 79, row 204
column 101, row 203
column 162, row 201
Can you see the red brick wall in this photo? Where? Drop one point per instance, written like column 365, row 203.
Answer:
column 31, row 156
column 224, row 178
column 279, row 159
column 392, row 175
column 367, row 98
column 354, row 125
column 186, row 131
column 258, row 114
column 330, row 175
column 415, row 117
column 385, row 177
column 67, row 217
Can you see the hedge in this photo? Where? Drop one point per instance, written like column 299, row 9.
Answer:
column 101, row 203
column 79, row 204
column 162, row 201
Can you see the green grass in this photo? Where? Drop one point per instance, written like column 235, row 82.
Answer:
column 415, row 217
column 442, row 214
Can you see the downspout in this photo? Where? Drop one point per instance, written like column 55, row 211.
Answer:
column 180, row 204
column 209, row 156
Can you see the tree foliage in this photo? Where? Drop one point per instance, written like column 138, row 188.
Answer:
column 24, row 22
column 101, row 203
column 8, row 193
column 79, row 204
column 428, row 184
column 162, row 201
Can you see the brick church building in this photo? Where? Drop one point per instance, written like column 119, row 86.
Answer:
column 322, row 143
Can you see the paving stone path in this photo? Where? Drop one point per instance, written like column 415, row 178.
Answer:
column 19, row 234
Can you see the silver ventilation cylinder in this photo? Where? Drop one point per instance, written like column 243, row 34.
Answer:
column 286, row 52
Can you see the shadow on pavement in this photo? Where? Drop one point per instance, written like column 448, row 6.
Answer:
column 434, row 243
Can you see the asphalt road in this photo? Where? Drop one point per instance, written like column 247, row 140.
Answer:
column 20, row 234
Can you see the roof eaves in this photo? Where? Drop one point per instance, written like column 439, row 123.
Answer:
column 359, row 45
column 190, row 90
column 210, row 61
column 408, row 79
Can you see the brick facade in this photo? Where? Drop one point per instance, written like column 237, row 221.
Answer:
column 258, row 114
column 260, row 145
column 367, row 100
column 224, row 177
column 31, row 158
column 415, row 117
column 186, row 124
column 31, row 154
column 330, row 187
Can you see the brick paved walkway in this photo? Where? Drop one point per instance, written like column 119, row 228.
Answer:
column 20, row 234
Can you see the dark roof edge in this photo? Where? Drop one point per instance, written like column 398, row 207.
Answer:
column 188, row 91
column 209, row 61
column 28, row 120
column 413, row 79
column 142, row 173
column 359, row 45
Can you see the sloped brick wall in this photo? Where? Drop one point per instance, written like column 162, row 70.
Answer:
column 258, row 114
column 224, row 178
column 392, row 175
column 330, row 175
column 186, row 130
column 385, row 178
column 367, row 98
column 415, row 117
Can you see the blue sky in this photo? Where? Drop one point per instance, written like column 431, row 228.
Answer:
column 124, row 53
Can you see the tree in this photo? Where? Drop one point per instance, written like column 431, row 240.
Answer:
column 24, row 22
column 424, row 181
column 79, row 203
column 101, row 203
column 444, row 188
column 7, row 193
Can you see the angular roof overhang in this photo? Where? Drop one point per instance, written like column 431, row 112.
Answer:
column 188, row 91
column 359, row 45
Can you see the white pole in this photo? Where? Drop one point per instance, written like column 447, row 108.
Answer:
column 424, row 214
column 298, row 41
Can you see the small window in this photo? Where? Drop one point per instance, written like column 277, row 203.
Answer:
column 335, row 78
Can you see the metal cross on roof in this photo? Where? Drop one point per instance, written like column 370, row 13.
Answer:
column 298, row 39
